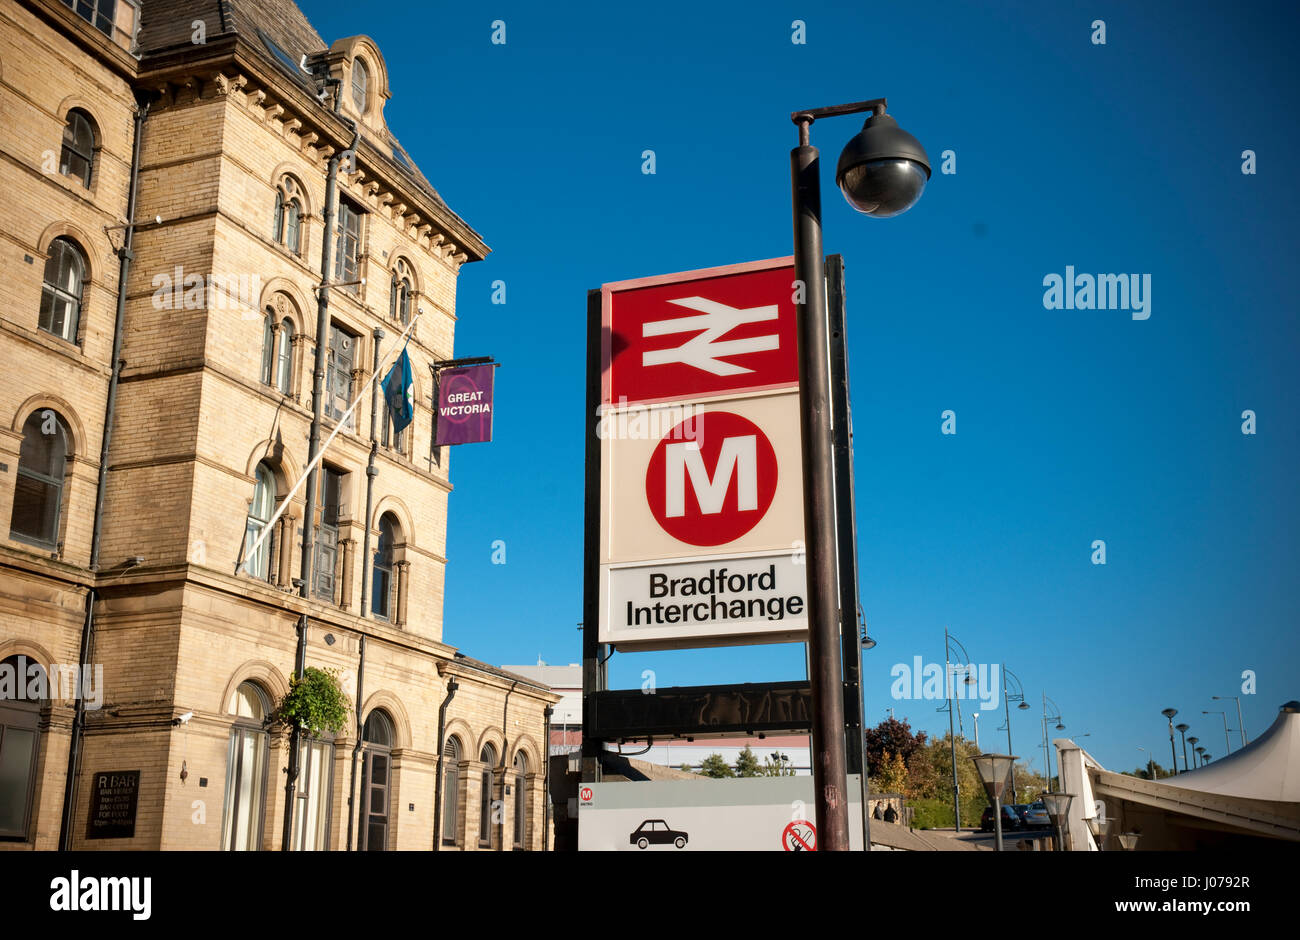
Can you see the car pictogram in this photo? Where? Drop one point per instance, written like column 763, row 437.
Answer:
column 657, row 832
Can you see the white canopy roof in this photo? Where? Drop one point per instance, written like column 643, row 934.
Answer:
column 1266, row 769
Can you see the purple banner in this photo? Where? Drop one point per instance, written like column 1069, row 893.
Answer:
column 465, row 405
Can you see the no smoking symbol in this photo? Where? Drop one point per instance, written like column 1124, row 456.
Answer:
column 799, row 836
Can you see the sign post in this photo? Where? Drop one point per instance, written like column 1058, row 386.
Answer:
column 695, row 494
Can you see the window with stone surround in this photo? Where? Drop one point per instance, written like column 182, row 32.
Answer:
column 61, row 296
column 376, row 782
column 489, row 759
column 77, row 158
column 241, row 825
column 521, row 799
column 347, row 247
column 20, row 741
column 40, row 478
column 450, row 790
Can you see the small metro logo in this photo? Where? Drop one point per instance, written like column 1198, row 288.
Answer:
column 715, row 488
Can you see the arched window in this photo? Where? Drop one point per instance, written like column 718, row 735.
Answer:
column 284, row 360
column 378, row 737
column 360, row 84
column 23, row 690
column 77, row 159
column 312, row 797
column 259, row 514
column 382, row 580
column 488, row 757
column 38, row 488
column 241, row 826
column 521, row 799
column 399, row 295
column 277, row 352
column 286, row 226
column 450, row 790
column 65, row 273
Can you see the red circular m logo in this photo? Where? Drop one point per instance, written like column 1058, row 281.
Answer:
column 711, row 479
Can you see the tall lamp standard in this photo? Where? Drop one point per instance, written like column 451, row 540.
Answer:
column 1173, row 752
column 1195, row 749
column 1241, row 725
column 1224, row 715
column 994, row 769
column 882, row 172
column 950, row 641
column 1182, row 727
column 1007, row 698
column 1047, row 746
column 1204, row 754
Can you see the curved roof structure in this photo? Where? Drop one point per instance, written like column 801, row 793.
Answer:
column 1266, row 769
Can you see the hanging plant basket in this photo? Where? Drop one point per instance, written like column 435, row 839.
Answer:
column 315, row 702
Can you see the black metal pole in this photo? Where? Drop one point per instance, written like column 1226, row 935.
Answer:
column 952, row 736
column 592, row 673
column 997, row 824
column 1173, row 750
column 855, row 743
column 1006, row 708
column 1183, row 734
column 356, row 748
column 372, row 472
column 826, row 678
column 452, row 686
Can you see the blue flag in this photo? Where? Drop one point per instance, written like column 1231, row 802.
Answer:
column 399, row 392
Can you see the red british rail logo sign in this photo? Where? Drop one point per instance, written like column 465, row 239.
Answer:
column 671, row 340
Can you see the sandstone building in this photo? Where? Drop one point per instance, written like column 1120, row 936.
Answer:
column 227, row 115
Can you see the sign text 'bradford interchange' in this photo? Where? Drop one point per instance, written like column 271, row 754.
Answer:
column 701, row 538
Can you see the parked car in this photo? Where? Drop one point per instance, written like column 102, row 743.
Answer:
column 1010, row 819
column 1034, row 816
column 657, row 832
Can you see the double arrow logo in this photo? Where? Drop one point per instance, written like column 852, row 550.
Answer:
column 705, row 351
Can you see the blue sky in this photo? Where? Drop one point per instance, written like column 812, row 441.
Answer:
column 1072, row 425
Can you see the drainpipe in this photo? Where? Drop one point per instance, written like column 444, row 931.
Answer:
column 318, row 383
column 356, row 751
column 125, row 255
column 371, row 473
column 546, row 783
column 506, row 768
column 452, row 686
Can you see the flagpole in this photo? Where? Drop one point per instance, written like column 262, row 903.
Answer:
column 284, row 503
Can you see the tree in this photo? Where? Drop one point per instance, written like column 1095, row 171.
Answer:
column 715, row 766
column 1145, row 771
column 747, row 764
column 891, row 775
column 777, row 765
column 893, row 736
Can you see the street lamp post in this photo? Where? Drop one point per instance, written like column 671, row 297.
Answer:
column 1182, row 727
column 1195, row 749
column 994, row 770
column 882, row 172
column 950, row 641
column 1169, row 713
column 1224, row 715
column 1058, row 806
column 1007, row 698
column 1241, row 725
column 1047, row 745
